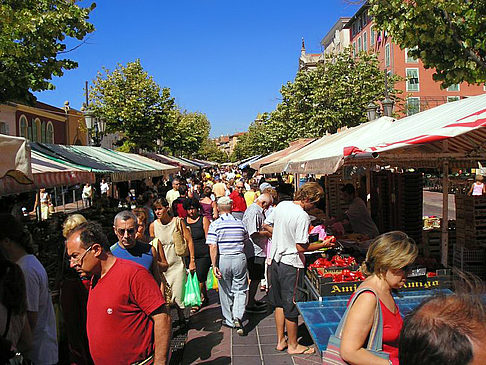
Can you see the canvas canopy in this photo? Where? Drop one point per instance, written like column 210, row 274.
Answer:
column 15, row 161
column 164, row 168
column 171, row 160
column 47, row 174
column 453, row 131
column 99, row 160
column 279, row 155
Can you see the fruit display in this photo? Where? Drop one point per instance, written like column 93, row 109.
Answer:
column 336, row 261
column 345, row 275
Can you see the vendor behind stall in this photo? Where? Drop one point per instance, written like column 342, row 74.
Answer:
column 357, row 218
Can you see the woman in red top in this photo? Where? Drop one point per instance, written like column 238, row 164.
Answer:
column 386, row 266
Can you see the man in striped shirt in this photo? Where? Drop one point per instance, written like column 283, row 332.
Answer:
column 226, row 239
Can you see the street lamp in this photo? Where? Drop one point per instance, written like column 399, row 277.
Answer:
column 371, row 111
column 95, row 126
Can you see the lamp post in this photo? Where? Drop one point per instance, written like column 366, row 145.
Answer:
column 373, row 111
column 96, row 126
column 160, row 143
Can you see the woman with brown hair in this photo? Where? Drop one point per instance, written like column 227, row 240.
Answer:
column 208, row 206
column 387, row 264
column 163, row 228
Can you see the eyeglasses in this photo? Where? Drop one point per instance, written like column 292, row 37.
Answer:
column 80, row 258
column 121, row 231
column 160, row 208
column 406, row 268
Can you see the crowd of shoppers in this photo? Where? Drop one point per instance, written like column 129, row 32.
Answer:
column 116, row 305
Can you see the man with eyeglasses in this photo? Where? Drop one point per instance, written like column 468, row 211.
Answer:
column 127, row 319
column 173, row 194
column 128, row 248
column 289, row 224
column 238, row 197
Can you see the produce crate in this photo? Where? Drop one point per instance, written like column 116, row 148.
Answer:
column 431, row 243
column 472, row 260
column 317, row 280
column 471, row 221
column 326, row 287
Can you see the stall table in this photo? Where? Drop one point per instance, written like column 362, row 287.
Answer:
column 322, row 317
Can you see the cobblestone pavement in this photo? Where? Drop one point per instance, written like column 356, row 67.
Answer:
column 210, row 343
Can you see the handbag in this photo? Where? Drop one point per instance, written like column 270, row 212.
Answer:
column 332, row 355
column 180, row 242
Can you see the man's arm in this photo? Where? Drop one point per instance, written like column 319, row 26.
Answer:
column 306, row 247
column 213, row 252
column 162, row 334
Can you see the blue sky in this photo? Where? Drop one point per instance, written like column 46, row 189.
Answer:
column 227, row 59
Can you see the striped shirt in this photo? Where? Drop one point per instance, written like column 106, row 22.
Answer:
column 228, row 233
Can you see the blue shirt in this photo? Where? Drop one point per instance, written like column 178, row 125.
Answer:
column 141, row 253
column 228, row 233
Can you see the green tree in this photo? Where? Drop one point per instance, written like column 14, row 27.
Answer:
column 448, row 35
column 186, row 133
column 332, row 96
column 209, row 151
column 32, row 35
column 132, row 103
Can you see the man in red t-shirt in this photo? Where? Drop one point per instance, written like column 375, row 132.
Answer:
column 238, row 198
column 127, row 319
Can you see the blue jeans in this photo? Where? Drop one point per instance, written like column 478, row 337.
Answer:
column 233, row 286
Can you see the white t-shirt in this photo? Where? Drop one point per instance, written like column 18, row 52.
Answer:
column 104, row 187
column 44, row 336
column 290, row 227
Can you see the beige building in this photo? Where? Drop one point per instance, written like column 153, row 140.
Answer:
column 309, row 61
column 227, row 143
column 337, row 39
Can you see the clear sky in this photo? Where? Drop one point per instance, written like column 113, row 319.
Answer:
column 227, row 59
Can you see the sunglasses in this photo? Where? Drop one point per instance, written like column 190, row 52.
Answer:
column 121, row 231
column 80, row 258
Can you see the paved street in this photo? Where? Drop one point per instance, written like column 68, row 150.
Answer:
column 210, row 343
column 433, row 204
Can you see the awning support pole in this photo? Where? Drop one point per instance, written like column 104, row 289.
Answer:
column 55, row 196
column 63, row 200
column 445, row 213
column 368, row 189
column 74, row 199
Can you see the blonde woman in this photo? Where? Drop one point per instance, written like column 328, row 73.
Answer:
column 387, row 264
column 163, row 228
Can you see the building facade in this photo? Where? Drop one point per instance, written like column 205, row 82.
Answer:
column 43, row 123
column 337, row 39
column 419, row 90
column 227, row 144
column 309, row 61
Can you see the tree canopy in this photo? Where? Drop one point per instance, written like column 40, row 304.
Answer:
column 131, row 102
column 210, row 151
column 333, row 95
column 32, row 36
column 186, row 132
column 446, row 35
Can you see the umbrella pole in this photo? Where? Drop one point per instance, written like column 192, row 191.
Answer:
column 445, row 213
column 368, row 189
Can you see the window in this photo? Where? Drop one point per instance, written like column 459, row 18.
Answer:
column 409, row 59
column 387, row 55
column 450, row 99
column 354, row 49
column 43, row 132
column 413, row 105
column 412, row 79
column 372, row 36
column 49, row 132
column 454, row 87
column 365, row 41
column 36, row 130
column 3, row 128
column 360, row 45
column 23, row 126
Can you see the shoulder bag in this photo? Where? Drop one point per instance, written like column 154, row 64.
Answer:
column 332, row 355
column 180, row 242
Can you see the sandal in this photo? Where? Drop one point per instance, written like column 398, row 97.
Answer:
column 309, row 350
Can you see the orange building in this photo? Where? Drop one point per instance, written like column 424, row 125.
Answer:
column 420, row 91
